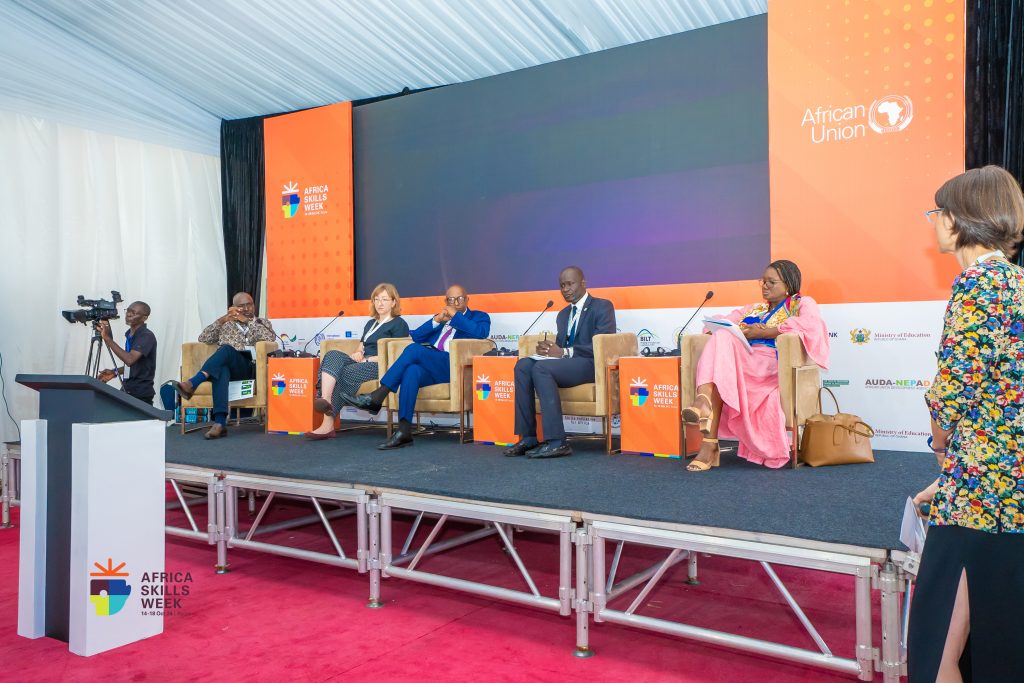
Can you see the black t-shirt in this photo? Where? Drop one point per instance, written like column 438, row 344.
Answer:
column 392, row 329
column 139, row 382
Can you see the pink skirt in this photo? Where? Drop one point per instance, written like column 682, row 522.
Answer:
column 749, row 385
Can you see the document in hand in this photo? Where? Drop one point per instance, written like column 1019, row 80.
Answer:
column 714, row 324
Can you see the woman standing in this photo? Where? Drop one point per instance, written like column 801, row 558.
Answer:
column 965, row 619
column 341, row 373
column 738, row 390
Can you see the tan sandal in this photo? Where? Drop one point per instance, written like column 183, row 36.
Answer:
column 700, row 466
column 692, row 416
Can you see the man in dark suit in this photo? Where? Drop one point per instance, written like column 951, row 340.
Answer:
column 424, row 363
column 568, row 362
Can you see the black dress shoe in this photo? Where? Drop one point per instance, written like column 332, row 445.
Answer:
column 322, row 406
column 546, row 450
column 520, row 448
column 397, row 440
column 362, row 401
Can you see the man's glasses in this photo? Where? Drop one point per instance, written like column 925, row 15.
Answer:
column 933, row 214
column 455, row 299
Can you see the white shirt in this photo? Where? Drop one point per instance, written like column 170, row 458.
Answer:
column 575, row 319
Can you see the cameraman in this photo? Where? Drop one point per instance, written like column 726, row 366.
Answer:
column 138, row 354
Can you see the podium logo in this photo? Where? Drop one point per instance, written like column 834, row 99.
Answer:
column 277, row 384
column 108, row 593
column 483, row 387
column 290, row 200
column 638, row 391
column 860, row 335
column 890, row 114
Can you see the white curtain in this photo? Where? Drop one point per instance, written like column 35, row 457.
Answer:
column 84, row 213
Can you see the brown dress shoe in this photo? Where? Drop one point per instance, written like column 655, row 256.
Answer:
column 217, row 431
column 184, row 389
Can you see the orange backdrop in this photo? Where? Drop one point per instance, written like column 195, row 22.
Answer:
column 866, row 110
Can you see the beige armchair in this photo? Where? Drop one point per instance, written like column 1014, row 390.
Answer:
column 439, row 398
column 350, row 346
column 194, row 354
column 596, row 399
column 799, row 379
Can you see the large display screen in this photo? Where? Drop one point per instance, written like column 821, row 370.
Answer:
column 644, row 165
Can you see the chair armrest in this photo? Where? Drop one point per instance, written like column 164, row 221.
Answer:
column 348, row 346
column 388, row 351
column 608, row 348
column 460, row 352
column 528, row 344
column 799, row 379
column 193, row 355
column 791, row 351
column 692, row 347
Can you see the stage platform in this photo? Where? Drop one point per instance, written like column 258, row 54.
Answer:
column 854, row 505
column 595, row 508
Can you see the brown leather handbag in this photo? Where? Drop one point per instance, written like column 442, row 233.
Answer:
column 839, row 439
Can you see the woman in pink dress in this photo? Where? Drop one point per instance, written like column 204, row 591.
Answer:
column 738, row 390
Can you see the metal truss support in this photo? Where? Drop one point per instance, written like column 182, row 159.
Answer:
column 892, row 663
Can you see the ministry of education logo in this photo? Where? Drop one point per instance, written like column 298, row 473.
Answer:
column 860, row 335
column 109, row 590
column 483, row 387
column 638, row 392
column 290, row 200
column 890, row 114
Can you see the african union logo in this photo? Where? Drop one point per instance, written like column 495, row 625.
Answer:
column 107, row 593
column 638, row 391
column 890, row 114
column 483, row 387
column 290, row 200
column 277, row 384
column 860, row 335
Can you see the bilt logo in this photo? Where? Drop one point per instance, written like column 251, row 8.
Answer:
column 638, row 392
column 290, row 200
column 483, row 387
column 860, row 336
column 890, row 114
column 277, row 384
column 108, row 591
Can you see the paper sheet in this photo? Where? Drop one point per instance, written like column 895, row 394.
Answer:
column 714, row 324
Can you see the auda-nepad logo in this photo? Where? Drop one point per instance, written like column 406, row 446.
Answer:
column 829, row 123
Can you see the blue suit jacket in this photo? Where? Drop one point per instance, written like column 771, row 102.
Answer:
column 597, row 317
column 468, row 325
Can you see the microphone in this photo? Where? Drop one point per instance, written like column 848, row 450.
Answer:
column 303, row 354
column 679, row 337
column 502, row 352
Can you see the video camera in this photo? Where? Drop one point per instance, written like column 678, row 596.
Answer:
column 94, row 310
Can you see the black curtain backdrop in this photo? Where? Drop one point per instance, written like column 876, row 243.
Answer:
column 995, row 86
column 243, row 203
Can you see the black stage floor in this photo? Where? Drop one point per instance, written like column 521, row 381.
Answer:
column 859, row 505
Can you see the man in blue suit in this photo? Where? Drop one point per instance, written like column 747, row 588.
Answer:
column 568, row 362
column 424, row 363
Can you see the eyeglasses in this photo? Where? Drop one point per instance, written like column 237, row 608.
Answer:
column 382, row 300
column 932, row 214
column 455, row 299
column 769, row 283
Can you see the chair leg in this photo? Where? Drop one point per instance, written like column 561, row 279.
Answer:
column 389, row 428
column 607, row 422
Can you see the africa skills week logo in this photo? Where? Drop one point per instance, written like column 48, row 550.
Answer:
column 107, row 593
column 277, row 384
column 483, row 387
column 638, row 392
column 290, row 200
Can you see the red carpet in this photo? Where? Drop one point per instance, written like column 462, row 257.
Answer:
column 274, row 618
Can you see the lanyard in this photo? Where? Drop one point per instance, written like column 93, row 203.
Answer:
column 373, row 329
column 770, row 313
column 128, row 342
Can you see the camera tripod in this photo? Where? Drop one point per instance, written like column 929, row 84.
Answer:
column 92, row 365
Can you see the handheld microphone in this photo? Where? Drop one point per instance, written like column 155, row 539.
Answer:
column 303, row 354
column 679, row 337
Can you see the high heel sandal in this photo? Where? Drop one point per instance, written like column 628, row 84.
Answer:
column 692, row 416
column 700, row 466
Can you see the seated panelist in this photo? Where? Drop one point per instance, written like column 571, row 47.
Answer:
column 738, row 390
column 342, row 374
column 424, row 363
column 568, row 362
column 236, row 333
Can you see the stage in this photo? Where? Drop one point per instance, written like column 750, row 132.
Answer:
column 841, row 519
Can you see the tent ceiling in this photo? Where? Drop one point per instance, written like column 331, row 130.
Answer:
column 167, row 72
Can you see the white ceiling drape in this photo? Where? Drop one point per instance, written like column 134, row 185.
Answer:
column 167, row 72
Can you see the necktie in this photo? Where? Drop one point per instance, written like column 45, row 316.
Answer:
column 440, row 345
column 572, row 331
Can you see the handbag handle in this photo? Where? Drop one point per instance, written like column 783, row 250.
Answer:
column 869, row 435
column 834, row 400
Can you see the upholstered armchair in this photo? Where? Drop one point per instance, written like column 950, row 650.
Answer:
column 799, row 380
column 439, row 398
column 194, row 354
column 592, row 400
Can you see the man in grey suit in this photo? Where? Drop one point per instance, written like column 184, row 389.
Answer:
column 568, row 361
